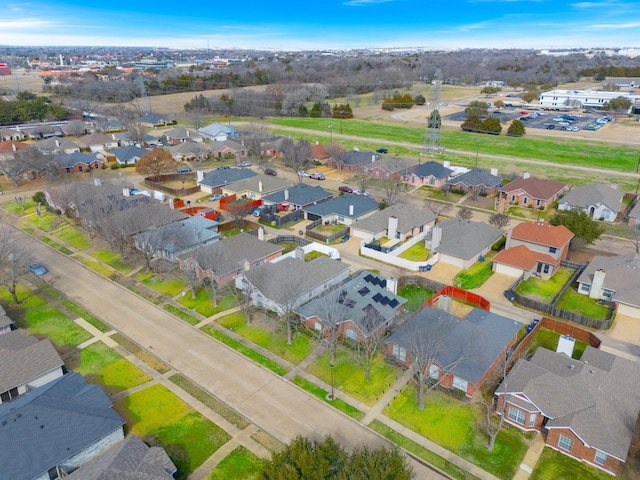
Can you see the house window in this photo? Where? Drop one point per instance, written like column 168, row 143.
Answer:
column 80, row 169
column 421, row 228
column 317, row 326
column 513, row 198
column 351, row 334
column 537, row 203
column 532, row 419
column 585, row 287
column 399, row 352
column 553, row 249
column 601, row 457
column 566, row 443
column 434, row 371
column 525, row 200
column 607, row 294
column 68, row 170
column 546, row 268
column 432, row 181
column 516, row 415
column 460, row 384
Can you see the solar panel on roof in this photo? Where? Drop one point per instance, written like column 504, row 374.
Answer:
column 377, row 297
column 364, row 291
column 384, row 300
column 394, row 303
column 368, row 278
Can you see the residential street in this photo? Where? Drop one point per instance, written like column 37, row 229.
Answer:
column 267, row 400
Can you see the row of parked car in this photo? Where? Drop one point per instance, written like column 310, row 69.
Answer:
column 345, row 189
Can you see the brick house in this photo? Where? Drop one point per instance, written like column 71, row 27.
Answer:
column 534, row 192
column 477, row 179
column 460, row 353
column 388, row 167
column 179, row 135
column 587, row 408
column 79, row 162
column 428, row 173
column 352, row 161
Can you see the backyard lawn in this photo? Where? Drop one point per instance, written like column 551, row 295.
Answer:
column 545, row 290
column 416, row 253
column 160, row 418
column 455, row 426
column 582, row 304
column 270, row 337
column 416, row 296
column 549, row 340
column 100, row 364
column 349, row 375
column 240, row 464
column 554, row 465
column 476, row 275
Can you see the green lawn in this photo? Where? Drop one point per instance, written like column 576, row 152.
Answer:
column 103, row 365
column 269, row 337
column 240, row 464
column 73, row 237
column 46, row 222
column 582, row 304
column 416, row 253
column 549, row 340
column 545, row 290
column 554, row 465
column 416, row 296
column 312, row 255
column 160, row 418
column 26, row 297
column 112, row 259
column 169, row 287
column 476, row 275
column 454, row 425
column 61, row 248
column 16, row 209
column 50, row 322
column 350, row 378
column 203, row 304
column 322, row 394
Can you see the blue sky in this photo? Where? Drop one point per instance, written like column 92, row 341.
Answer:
column 327, row 24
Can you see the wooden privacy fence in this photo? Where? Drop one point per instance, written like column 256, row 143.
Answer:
column 460, row 294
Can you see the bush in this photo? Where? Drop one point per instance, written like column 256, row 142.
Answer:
column 499, row 244
column 483, row 194
column 115, row 166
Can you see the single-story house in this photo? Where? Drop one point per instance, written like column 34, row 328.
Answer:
column 223, row 260
column 344, row 209
column 54, row 145
column 128, row 459
column 363, row 306
column 388, row 167
column 352, row 161
column 180, row 135
column 615, row 279
column 255, row 187
column 586, row 409
column 272, row 148
column 323, row 153
column 298, row 196
column 477, row 179
column 76, row 128
column 396, row 221
column 535, row 192
column 634, row 215
column 533, row 249
column 98, row 142
column 154, row 120
column 174, row 239
column 217, row 132
column 109, row 126
column 224, row 148
column 461, row 242
column 128, row 155
column 54, row 429
column 598, row 200
column 213, row 181
column 6, row 323
column 11, row 134
column 188, row 151
column 125, row 139
column 9, row 148
column 282, row 286
column 38, row 132
column 458, row 352
column 26, row 363
column 79, row 162
column 429, row 173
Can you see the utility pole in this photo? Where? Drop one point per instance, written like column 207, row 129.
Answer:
column 331, row 131
column 477, row 149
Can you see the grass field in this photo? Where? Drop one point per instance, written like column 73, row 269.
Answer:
column 204, row 305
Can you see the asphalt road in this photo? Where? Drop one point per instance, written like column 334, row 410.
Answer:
column 266, row 399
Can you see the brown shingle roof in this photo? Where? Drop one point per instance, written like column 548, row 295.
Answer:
column 542, row 233
column 522, row 257
column 536, row 188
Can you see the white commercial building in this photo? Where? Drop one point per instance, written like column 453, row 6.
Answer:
column 582, row 98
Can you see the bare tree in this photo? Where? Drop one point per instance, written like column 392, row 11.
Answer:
column 474, row 194
column 362, row 181
column 33, row 160
column 438, row 208
column 13, row 257
column 493, row 424
column 332, row 313
column 464, row 213
column 392, row 187
column 296, row 154
column 137, row 132
column 499, row 220
column 367, row 347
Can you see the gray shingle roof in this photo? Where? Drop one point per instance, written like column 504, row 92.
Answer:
column 5, row 320
column 407, row 219
column 622, row 275
column 300, row 194
column 214, row 129
column 69, row 160
column 215, row 146
column 393, row 164
column 24, row 358
column 470, row 344
column 340, row 206
column 129, row 459
column 52, row 423
column 635, row 211
column 127, row 154
column 252, row 184
column 465, row 238
column 355, row 158
column 477, row 177
column 180, row 133
column 431, row 168
column 276, row 280
column 181, row 235
column 226, row 175
column 365, row 300
column 593, row 194
column 598, row 397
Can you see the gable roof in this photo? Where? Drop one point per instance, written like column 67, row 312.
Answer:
column 465, row 238
column 24, row 358
column 393, row 164
column 622, row 275
column 228, row 254
column 477, row 177
column 225, row 175
column 594, row 194
column 340, row 206
column 276, row 280
column 52, row 423
column 537, row 188
column 94, row 139
column 465, row 347
column 263, row 184
column 522, row 257
column 187, row 148
column 182, row 234
column 598, row 396
column 300, row 194
column 431, row 169
column 153, row 119
column 127, row 154
column 129, row 459
column 70, row 160
column 356, row 158
column 12, row 146
column 364, row 300
column 542, row 233
column 408, row 218
column 224, row 144
column 5, row 320
column 180, row 133
column 635, row 211
column 214, row 129
column 56, row 145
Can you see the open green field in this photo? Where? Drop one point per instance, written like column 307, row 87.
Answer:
column 160, row 418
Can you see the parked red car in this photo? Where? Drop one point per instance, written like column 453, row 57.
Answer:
column 345, row 189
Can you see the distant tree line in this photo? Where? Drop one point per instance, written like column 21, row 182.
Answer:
column 28, row 107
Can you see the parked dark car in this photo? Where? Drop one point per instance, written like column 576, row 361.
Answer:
column 345, row 189
column 533, row 324
column 270, row 171
column 508, row 294
column 382, row 150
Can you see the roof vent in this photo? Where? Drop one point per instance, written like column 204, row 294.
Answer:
column 571, row 367
column 592, row 372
